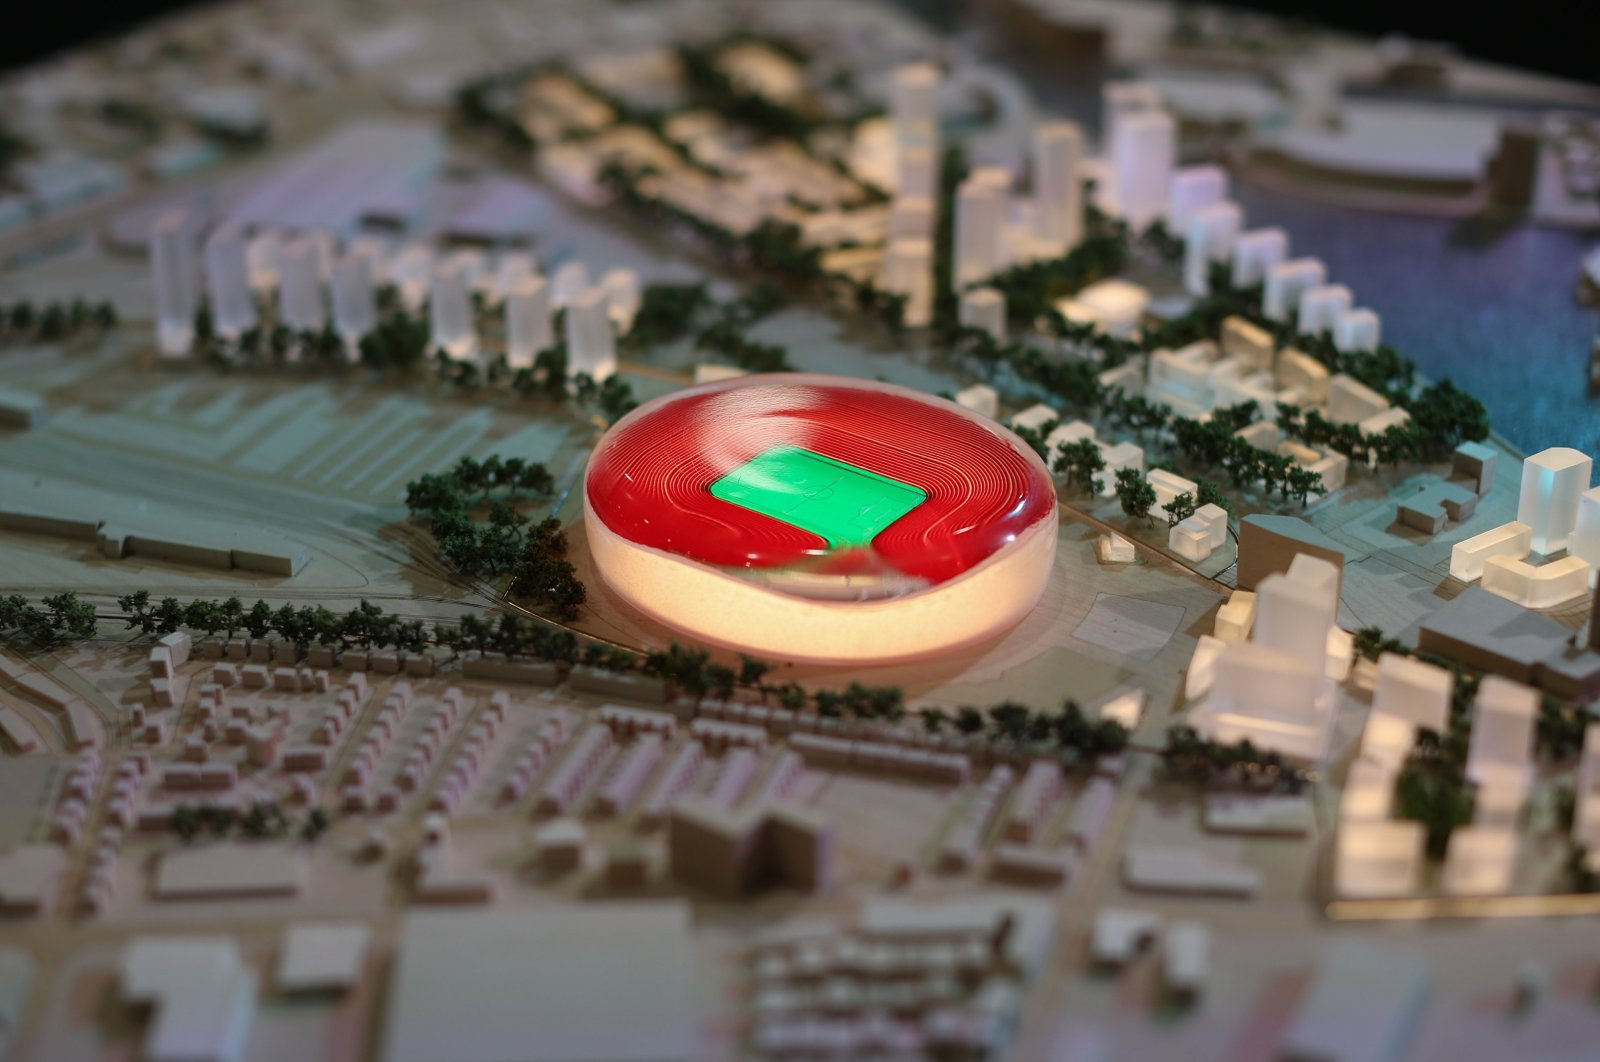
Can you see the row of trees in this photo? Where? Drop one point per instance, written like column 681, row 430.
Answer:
column 1442, row 417
column 1191, row 758
column 365, row 627
column 62, row 617
column 1069, row 729
column 22, row 321
column 262, row 820
column 399, row 341
column 690, row 671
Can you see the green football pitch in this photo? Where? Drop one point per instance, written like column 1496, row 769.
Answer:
column 845, row 504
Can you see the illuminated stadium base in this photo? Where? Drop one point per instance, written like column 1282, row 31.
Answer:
column 700, row 504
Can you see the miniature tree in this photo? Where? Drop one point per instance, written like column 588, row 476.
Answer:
column 168, row 615
column 536, row 479
column 185, row 822
column 232, row 615
column 1303, row 483
column 326, row 627
column 969, row 720
column 1180, row 509
column 1208, row 493
column 258, row 621
column 1035, row 437
column 751, row 671
column 253, row 823
column 203, row 616
column 887, row 702
column 1432, row 789
column 22, row 317
column 1082, row 462
column 1560, row 729
column 792, row 697
column 70, row 616
column 1135, row 493
column 614, row 399
column 1580, row 877
column 830, row 704
column 315, row 826
column 137, row 608
column 1009, row 720
column 719, row 681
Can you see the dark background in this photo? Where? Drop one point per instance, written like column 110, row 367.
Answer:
column 1555, row 36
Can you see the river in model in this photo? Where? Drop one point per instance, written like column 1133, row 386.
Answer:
column 1494, row 313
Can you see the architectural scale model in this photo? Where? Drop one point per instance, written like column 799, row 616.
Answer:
column 696, row 530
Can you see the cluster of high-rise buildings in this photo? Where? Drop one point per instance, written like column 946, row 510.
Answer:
column 309, row 281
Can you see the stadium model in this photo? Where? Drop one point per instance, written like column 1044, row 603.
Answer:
column 820, row 518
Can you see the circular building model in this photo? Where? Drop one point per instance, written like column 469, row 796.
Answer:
column 820, row 518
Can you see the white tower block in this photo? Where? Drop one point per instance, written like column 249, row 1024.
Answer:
column 1322, row 306
column 324, row 247
column 172, row 268
column 591, row 345
column 980, row 214
column 1296, row 609
column 474, row 266
column 1414, row 691
column 914, row 105
column 1142, row 155
column 916, row 172
column 355, row 308
column 1057, row 191
column 984, row 308
column 450, row 309
column 1257, row 251
column 908, row 271
column 570, row 281
column 1552, row 481
column 512, row 268
column 1211, row 236
column 1192, row 188
column 1585, row 543
column 1357, row 330
column 622, row 296
column 412, row 273
column 1118, row 100
column 911, row 217
column 1286, row 281
column 527, row 321
column 233, row 306
column 261, row 258
column 299, row 286
column 1261, row 683
column 376, row 252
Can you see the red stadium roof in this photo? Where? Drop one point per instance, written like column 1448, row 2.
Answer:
column 650, row 479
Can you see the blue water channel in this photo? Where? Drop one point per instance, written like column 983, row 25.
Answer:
column 1496, row 315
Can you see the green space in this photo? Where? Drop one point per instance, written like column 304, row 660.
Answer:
column 845, row 504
